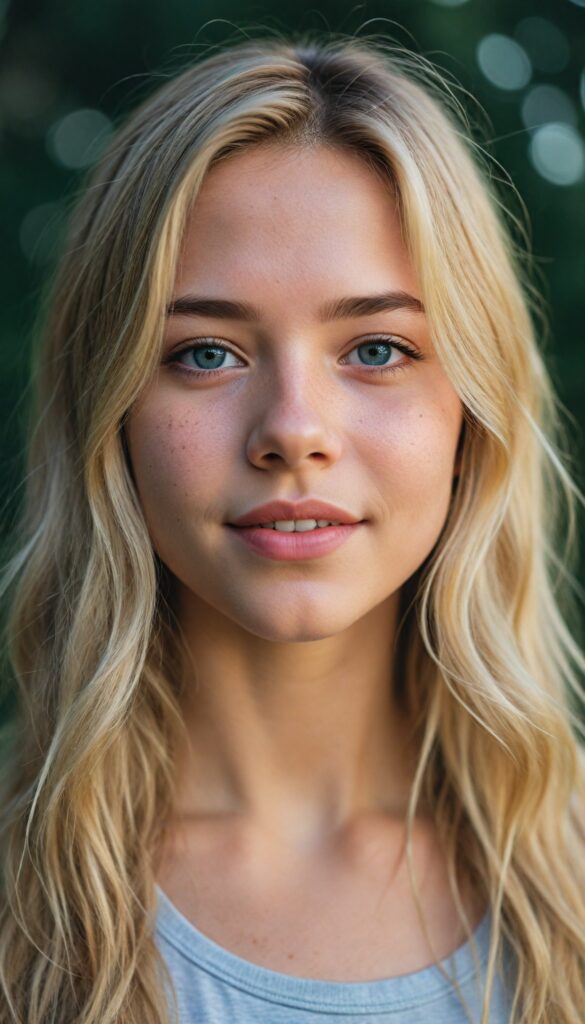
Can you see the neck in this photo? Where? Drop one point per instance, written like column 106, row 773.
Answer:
column 301, row 738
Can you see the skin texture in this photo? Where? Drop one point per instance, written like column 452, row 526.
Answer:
column 296, row 753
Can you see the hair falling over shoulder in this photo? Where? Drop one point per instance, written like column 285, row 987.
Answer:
column 490, row 670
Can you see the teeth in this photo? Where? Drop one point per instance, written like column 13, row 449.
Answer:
column 297, row 525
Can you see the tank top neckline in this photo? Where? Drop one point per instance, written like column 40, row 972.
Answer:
column 399, row 992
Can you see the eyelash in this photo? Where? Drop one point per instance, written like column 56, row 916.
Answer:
column 385, row 339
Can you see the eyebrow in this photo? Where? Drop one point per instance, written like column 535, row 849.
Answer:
column 350, row 306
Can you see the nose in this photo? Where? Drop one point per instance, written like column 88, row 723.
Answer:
column 297, row 423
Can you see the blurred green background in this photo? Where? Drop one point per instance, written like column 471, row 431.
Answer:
column 70, row 69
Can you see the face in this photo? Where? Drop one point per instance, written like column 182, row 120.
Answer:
column 293, row 404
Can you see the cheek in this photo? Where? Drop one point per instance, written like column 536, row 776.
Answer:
column 177, row 457
column 410, row 447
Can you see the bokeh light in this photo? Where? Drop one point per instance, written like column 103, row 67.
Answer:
column 545, row 103
column 77, row 139
column 558, row 154
column 39, row 233
column 504, row 62
column 546, row 45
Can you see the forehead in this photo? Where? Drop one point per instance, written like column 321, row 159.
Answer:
column 303, row 214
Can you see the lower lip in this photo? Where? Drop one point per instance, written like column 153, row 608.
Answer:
column 290, row 547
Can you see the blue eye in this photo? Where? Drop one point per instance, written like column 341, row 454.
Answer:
column 379, row 350
column 209, row 356
column 206, row 357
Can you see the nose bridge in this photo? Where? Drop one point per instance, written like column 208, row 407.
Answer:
column 297, row 378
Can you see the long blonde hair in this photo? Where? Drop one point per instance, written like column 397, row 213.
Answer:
column 489, row 670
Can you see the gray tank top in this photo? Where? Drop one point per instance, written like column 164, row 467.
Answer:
column 215, row 986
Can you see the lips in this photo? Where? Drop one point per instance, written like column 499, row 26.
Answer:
column 308, row 509
column 294, row 547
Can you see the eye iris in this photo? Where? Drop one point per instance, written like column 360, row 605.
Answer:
column 209, row 353
column 377, row 349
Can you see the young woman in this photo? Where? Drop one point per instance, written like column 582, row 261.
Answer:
column 297, row 732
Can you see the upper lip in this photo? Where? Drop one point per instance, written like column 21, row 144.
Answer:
column 309, row 509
